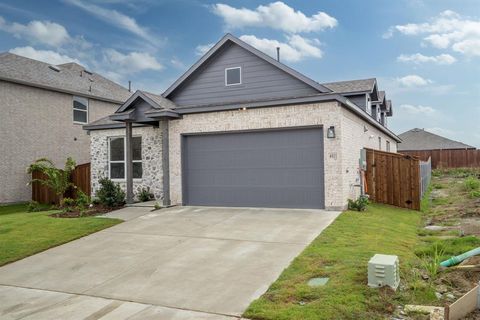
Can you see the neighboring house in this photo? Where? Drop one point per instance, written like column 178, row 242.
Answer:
column 42, row 112
column 421, row 140
column 239, row 128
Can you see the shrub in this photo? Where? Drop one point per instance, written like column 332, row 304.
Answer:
column 34, row 206
column 68, row 204
column 474, row 194
column 157, row 206
column 83, row 201
column 56, row 179
column 471, row 183
column 358, row 205
column 145, row 195
column 110, row 194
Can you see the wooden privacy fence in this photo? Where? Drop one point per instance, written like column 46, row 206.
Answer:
column 396, row 179
column 451, row 158
column 80, row 177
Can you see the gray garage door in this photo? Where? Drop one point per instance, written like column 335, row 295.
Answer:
column 278, row 169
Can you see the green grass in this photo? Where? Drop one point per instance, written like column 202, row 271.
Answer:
column 23, row 233
column 342, row 252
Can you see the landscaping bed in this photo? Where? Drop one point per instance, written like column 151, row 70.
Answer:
column 93, row 211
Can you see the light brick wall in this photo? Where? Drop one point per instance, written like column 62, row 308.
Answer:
column 326, row 114
column 37, row 123
column 354, row 138
column 151, row 159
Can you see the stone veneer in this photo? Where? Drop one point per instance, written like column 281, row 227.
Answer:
column 151, row 159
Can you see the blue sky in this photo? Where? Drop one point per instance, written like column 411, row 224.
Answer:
column 425, row 54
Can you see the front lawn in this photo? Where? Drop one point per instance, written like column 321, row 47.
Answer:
column 342, row 252
column 25, row 233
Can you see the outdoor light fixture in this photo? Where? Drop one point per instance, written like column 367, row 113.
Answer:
column 331, row 132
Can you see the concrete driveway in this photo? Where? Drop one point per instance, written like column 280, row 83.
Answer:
column 176, row 263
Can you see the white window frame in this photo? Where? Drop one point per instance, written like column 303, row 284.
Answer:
column 369, row 104
column 73, row 108
column 380, row 143
column 233, row 84
column 387, row 143
column 124, row 158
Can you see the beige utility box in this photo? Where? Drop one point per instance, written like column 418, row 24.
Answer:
column 383, row 270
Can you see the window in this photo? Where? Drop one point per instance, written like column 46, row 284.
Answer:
column 233, row 76
column 379, row 143
column 388, row 146
column 117, row 155
column 369, row 105
column 80, row 110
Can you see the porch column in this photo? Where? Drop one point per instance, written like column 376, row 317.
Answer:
column 129, row 162
column 165, row 162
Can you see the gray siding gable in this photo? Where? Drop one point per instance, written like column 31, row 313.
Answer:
column 260, row 80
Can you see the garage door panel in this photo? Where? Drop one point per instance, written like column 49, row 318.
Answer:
column 263, row 169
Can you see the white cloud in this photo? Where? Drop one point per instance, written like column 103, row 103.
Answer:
column 201, row 49
column 44, row 32
column 131, row 62
column 413, row 81
column 295, row 49
column 419, row 58
column 447, row 30
column 275, row 15
column 417, row 109
column 177, row 63
column 115, row 18
column 47, row 56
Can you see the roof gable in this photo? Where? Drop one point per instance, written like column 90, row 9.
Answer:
column 263, row 61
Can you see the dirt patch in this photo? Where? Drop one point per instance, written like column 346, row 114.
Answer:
column 95, row 211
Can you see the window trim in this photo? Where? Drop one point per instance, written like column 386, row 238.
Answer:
column 387, row 145
column 233, row 84
column 124, row 157
column 380, row 143
column 73, row 109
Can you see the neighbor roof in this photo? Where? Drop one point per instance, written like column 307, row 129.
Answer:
column 352, row 86
column 230, row 38
column 419, row 139
column 70, row 78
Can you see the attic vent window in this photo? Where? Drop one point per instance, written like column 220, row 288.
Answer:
column 54, row 68
column 233, row 76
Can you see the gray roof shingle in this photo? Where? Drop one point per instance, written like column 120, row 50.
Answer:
column 351, row 86
column 71, row 78
column 160, row 100
column 419, row 139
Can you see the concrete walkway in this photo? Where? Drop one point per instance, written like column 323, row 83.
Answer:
column 176, row 263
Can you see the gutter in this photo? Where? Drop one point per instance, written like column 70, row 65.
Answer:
column 45, row 87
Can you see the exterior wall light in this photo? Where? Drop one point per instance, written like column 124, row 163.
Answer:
column 331, row 132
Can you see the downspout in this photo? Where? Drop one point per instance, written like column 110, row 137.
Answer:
column 129, row 173
column 165, row 162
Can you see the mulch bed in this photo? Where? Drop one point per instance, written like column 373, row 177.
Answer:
column 95, row 211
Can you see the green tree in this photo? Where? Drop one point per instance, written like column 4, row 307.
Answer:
column 56, row 179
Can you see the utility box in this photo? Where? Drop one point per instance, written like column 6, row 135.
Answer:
column 384, row 270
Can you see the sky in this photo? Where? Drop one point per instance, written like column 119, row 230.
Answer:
column 424, row 53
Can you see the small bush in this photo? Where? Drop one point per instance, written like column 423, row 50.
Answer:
column 68, row 204
column 157, row 206
column 34, row 206
column 83, row 201
column 110, row 194
column 145, row 195
column 471, row 183
column 474, row 194
column 358, row 205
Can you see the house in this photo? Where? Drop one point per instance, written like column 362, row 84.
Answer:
column 42, row 112
column 421, row 140
column 240, row 128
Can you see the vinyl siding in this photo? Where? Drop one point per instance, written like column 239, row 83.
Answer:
column 260, row 80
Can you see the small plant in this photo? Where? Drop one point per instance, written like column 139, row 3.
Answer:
column 474, row 194
column 358, row 205
column 68, row 204
column 471, row 183
column 145, row 195
column 56, row 179
column 34, row 206
column 110, row 194
column 157, row 206
column 83, row 201
column 431, row 263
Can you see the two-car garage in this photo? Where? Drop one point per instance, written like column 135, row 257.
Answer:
column 262, row 168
